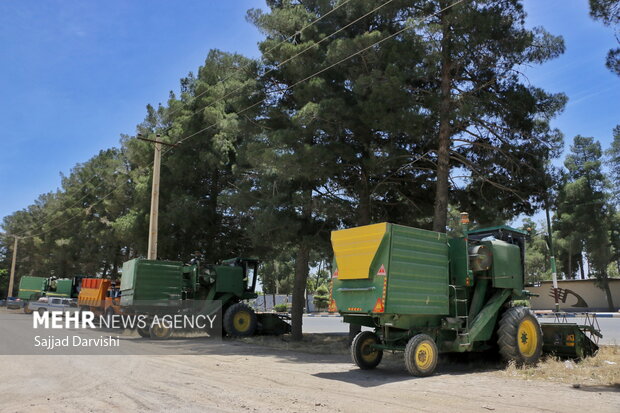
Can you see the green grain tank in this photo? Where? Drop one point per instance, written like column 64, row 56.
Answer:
column 31, row 288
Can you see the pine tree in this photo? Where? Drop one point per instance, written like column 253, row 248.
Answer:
column 582, row 212
column 608, row 11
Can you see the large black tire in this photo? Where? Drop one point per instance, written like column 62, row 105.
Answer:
column 41, row 310
column 421, row 355
column 240, row 320
column 362, row 353
column 160, row 332
column 520, row 336
column 143, row 332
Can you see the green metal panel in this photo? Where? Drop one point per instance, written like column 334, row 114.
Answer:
column 229, row 279
column 506, row 270
column 150, row 280
column 31, row 286
column 459, row 263
column 64, row 288
column 418, row 272
column 357, row 296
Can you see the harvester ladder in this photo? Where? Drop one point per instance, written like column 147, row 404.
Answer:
column 460, row 303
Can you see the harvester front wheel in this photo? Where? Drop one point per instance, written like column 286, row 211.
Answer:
column 363, row 354
column 520, row 336
column 421, row 355
column 240, row 320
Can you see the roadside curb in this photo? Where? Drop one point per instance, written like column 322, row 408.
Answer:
column 321, row 315
column 576, row 315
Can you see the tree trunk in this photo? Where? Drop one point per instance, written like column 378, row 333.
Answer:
column 214, row 192
column 363, row 218
column 604, row 280
column 440, row 218
column 364, row 207
column 581, row 270
column 570, row 260
column 299, row 288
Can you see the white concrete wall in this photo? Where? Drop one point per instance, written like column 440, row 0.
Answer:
column 594, row 297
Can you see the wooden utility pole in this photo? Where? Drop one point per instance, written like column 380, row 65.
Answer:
column 554, row 272
column 152, row 252
column 153, row 221
column 9, row 293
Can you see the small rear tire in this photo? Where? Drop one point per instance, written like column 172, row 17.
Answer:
column 143, row 332
column 421, row 355
column 160, row 332
column 41, row 310
column 363, row 354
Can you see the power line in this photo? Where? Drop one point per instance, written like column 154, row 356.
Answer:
column 278, row 45
column 44, row 222
column 405, row 28
column 239, row 88
column 279, row 65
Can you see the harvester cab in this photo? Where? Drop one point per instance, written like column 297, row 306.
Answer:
column 425, row 293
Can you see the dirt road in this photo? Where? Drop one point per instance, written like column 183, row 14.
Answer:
column 233, row 376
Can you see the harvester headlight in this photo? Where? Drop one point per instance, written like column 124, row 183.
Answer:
column 480, row 258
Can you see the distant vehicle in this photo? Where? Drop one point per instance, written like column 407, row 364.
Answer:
column 101, row 296
column 44, row 304
column 14, row 303
column 33, row 288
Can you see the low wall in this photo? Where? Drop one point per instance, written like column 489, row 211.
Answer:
column 266, row 302
column 575, row 295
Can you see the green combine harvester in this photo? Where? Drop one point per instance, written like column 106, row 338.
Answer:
column 153, row 287
column 33, row 288
column 424, row 293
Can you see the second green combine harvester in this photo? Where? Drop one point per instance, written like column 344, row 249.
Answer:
column 154, row 287
column 424, row 293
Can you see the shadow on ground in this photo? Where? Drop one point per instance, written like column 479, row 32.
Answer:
column 614, row 388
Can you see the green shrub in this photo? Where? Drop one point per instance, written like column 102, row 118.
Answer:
column 280, row 308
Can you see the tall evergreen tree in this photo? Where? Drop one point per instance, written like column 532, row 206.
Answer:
column 582, row 210
column 210, row 119
column 487, row 121
column 608, row 11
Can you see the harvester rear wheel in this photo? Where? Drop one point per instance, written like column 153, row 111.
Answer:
column 27, row 309
column 520, row 336
column 160, row 332
column 363, row 354
column 421, row 355
column 143, row 332
column 240, row 320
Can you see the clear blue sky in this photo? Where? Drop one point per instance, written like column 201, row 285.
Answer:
column 74, row 75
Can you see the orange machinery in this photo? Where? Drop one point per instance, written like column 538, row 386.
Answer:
column 100, row 296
